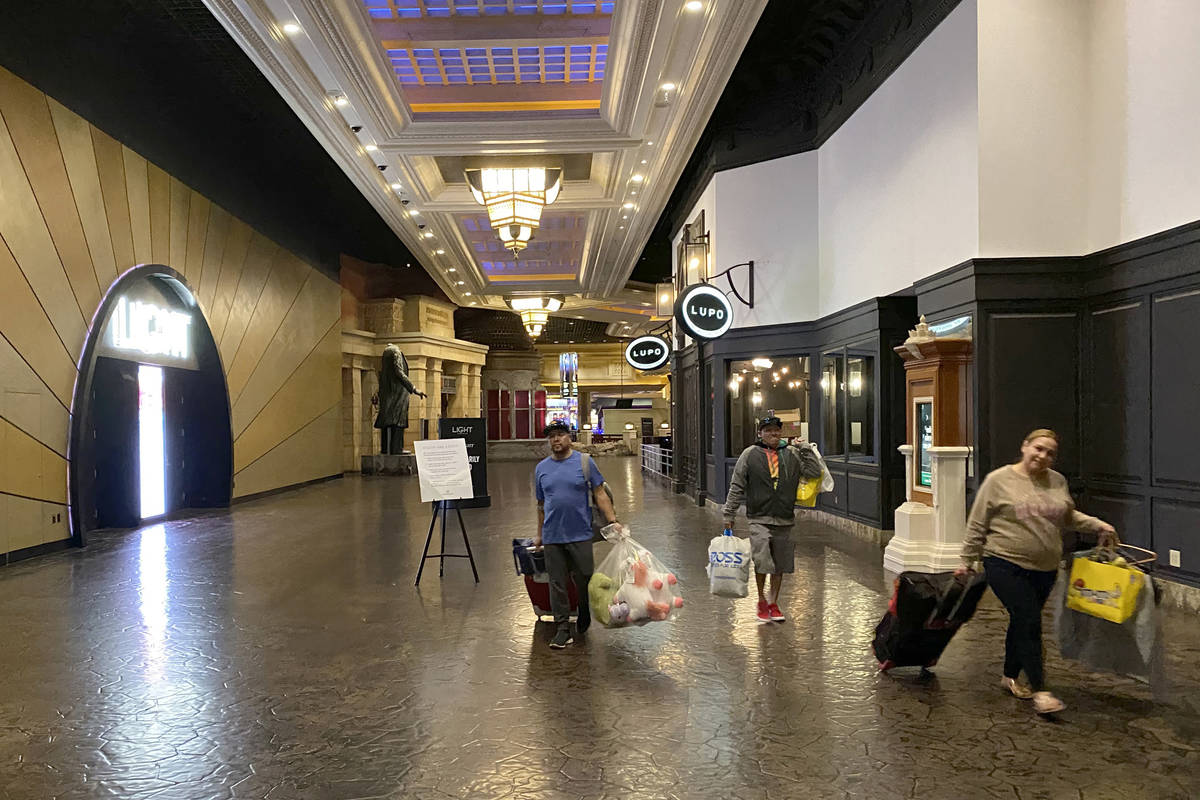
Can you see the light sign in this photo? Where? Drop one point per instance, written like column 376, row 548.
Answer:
column 145, row 328
column 568, row 373
column 703, row 311
column 647, row 353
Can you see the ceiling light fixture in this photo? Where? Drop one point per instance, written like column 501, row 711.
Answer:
column 534, row 312
column 638, row 178
column 667, row 87
column 440, row 251
column 693, row 5
column 514, row 195
column 291, row 28
column 627, row 205
column 452, row 269
column 339, row 99
column 413, row 213
column 428, row 234
column 396, row 186
column 370, row 148
column 460, row 283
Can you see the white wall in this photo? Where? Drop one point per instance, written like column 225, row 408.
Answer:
column 1160, row 173
column 1033, row 127
column 768, row 213
column 899, row 181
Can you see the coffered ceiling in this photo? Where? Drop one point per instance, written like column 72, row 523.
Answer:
column 402, row 92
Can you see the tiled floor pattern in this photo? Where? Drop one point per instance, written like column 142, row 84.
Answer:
column 281, row 651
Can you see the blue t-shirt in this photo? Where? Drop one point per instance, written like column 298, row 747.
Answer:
column 560, row 486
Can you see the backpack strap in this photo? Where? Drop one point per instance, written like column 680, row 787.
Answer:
column 587, row 468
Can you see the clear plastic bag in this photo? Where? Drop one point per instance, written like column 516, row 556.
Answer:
column 729, row 565
column 630, row 586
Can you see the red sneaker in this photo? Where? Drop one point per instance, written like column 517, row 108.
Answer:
column 764, row 611
column 776, row 614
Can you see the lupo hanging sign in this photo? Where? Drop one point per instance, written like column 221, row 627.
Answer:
column 703, row 311
column 647, row 353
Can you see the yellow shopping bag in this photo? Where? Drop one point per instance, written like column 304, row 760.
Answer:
column 806, row 492
column 1103, row 590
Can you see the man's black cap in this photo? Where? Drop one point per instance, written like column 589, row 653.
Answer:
column 768, row 422
column 558, row 426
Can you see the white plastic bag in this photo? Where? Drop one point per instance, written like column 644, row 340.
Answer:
column 631, row 586
column 826, row 478
column 729, row 566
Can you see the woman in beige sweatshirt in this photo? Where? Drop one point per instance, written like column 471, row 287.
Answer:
column 1016, row 527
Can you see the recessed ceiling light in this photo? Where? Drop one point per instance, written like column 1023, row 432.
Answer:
column 693, row 5
column 428, row 234
column 620, row 227
column 649, row 144
column 440, row 251
column 340, row 100
column 667, row 87
column 452, row 269
column 634, row 191
column 370, row 148
column 413, row 213
column 639, row 178
column 627, row 205
column 291, row 28
column 460, row 283
column 396, row 186
column 624, row 216
column 472, row 302
column 644, row 161
column 467, row 294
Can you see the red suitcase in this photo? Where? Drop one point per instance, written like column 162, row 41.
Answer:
column 538, row 586
column 531, row 564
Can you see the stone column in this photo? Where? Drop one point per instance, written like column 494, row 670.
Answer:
column 458, row 401
column 433, row 404
column 474, row 392
column 416, row 406
column 370, row 385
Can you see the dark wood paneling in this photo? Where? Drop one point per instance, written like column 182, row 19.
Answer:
column 1175, row 523
column 862, row 496
column 1033, row 369
column 1128, row 513
column 835, row 500
column 1117, row 351
column 1176, row 389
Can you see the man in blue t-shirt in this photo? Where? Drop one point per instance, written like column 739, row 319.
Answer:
column 565, row 526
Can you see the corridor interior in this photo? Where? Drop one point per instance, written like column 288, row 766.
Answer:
column 280, row 649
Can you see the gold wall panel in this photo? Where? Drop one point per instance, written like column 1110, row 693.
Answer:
column 28, row 468
column 27, row 115
column 137, row 190
column 288, row 274
column 306, row 323
column 29, row 404
column 237, row 244
column 111, row 165
column 307, row 393
column 214, row 251
column 29, row 331
column 159, row 188
column 313, row 452
column 24, row 231
column 75, row 141
column 181, row 198
column 193, row 262
column 257, row 267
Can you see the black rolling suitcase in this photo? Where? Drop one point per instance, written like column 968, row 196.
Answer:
column 925, row 613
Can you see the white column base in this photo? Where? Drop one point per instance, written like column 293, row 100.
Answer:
column 910, row 548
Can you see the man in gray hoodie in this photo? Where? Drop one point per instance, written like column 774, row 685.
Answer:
column 765, row 479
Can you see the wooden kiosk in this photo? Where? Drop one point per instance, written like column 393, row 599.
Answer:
column 931, row 524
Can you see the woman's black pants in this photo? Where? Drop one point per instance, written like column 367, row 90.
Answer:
column 1023, row 592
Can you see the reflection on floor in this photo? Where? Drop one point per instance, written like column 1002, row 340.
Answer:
column 281, row 651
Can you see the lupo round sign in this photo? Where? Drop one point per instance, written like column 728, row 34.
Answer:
column 703, row 311
column 647, row 353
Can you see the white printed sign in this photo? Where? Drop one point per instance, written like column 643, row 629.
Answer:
column 443, row 470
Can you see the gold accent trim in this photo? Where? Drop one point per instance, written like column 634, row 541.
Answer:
column 524, row 105
column 568, row 276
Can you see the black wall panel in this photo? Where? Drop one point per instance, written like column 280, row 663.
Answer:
column 1128, row 513
column 835, row 500
column 1176, row 390
column 1175, row 525
column 862, row 496
column 1033, row 371
column 1117, row 437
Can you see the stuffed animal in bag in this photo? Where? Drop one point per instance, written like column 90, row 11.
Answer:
column 601, row 589
column 648, row 594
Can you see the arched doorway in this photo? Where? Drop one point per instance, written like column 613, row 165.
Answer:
column 150, row 420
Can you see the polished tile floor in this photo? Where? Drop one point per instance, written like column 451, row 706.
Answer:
column 280, row 650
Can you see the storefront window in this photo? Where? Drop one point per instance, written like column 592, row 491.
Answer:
column 833, row 385
column 860, row 404
column 763, row 387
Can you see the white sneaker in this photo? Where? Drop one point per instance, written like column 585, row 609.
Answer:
column 1046, row 703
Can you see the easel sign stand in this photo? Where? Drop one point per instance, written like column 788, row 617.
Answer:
column 932, row 524
column 445, row 476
